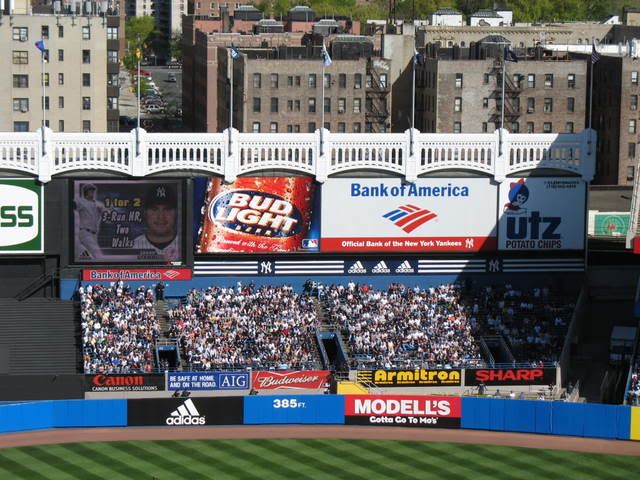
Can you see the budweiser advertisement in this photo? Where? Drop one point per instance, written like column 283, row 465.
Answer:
column 403, row 410
column 510, row 376
column 123, row 383
column 298, row 379
column 135, row 274
column 430, row 215
column 257, row 215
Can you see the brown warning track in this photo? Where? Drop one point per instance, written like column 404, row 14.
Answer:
column 71, row 435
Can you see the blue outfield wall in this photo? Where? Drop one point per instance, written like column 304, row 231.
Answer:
column 557, row 418
column 301, row 409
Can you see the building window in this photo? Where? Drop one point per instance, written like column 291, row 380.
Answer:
column 46, row 103
column 485, row 127
column 273, row 127
column 633, row 102
column 357, row 127
column 342, row 80
column 634, row 78
column 632, row 150
column 547, row 127
column 530, row 127
column 86, row 56
column 61, row 79
column 311, row 127
column 486, row 78
column 274, row 104
column 327, row 105
column 515, row 127
column 485, row 102
column 61, row 125
column 290, row 84
column 60, row 55
column 296, row 107
column 296, row 82
column 86, row 126
column 571, row 104
column 274, row 80
column 357, row 105
column 86, row 32
column 341, row 127
column 257, row 80
column 20, row 57
column 255, row 127
column 457, row 104
column 357, row 80
column 60, row 102
column 327, row 80
column 632, row 126
column 60, row 31
column 112, row 103
column 20, row 126
column 342, row 102
column 112, row 56
column 568, row 127
column 20, row 34
column 630, row 173
column 571, row 80
column 548, row 105
column 289, row 128
column 311, row 82
column 112, row 33
column 21, row 105
column 45, row 80
column 21, row 81
column 113, row 80
column 548, row 80
column 517, row 80
column 86, row 103
column 256, row 104
column 367, row 81
column 44, row 32
column 383, row 80
column 86, row 79
column 312, row 105
column 457, row 127
column 368, row 127
column 458, row 80
column 531, row 80
column 531, row 105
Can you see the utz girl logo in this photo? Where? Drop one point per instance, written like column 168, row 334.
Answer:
column 518, row 196
column 257, row 213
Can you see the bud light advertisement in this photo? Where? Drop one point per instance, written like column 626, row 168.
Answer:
column 256, row 215
column 542, row 214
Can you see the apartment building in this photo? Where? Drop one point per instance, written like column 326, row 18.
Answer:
column 80, row 75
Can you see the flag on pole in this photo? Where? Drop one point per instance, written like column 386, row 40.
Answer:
column 418, row 58
column 40, row 45
column 326, row 59
column 595, row 56
column 235, row 53
column 510, row 55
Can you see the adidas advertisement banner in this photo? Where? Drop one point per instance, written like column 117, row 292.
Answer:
column 185, row 412
column 430, row 215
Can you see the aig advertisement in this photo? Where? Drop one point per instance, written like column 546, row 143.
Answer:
column 21, row 219
column 256, row 215
column 542, row 214
column 430, row 215
column 138, row 221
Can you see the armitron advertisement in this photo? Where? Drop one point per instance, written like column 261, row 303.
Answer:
column 257, row 215
column 21, row 216
column 137, row 221
column 123, row 383
column 298, row 379
column 542, row 214
column 403, row 411
column 411, row 378
column 430, row 215
column 510, row 376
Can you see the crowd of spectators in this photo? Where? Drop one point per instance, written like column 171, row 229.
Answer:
column 270, row 327
column 633, row 395
column 119, row 329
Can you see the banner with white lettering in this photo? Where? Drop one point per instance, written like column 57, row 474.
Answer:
column 542, row 214
column 430, row 215
column 208, row 381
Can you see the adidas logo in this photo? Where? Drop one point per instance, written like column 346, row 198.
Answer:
column 381, row 267
column 186, row 414
column 405, row 267
column 357, row 268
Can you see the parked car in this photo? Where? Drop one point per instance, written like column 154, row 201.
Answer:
column 154, row 108
column 171, row 77
column 142, row 72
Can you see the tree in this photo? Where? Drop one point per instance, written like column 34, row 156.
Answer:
column 176, row 47
column 139, row 31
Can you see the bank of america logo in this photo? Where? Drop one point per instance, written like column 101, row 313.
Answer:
column 405, row 267
column 381, row 267
column 357, row 268
column 186, row 414
column 171, row 274
column 409, row 217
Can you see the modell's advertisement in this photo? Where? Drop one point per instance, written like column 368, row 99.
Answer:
column 127, row 221
column 257, row 215
column 430, row 215
column 542, row 214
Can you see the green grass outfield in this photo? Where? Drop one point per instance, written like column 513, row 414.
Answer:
column 305, row 459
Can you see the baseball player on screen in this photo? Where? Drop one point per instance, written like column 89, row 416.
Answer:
column 160, row 216
column 90, row 216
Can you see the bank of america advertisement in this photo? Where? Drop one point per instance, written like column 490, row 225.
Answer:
column 542, row 214
column 430, row 215
column 21, row 216
column 136, row 221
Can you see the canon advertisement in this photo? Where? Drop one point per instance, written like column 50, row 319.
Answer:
column 256, row 215
column 430, row 215
column 403, row 411
column 123, row 383
column 136, row 221
column 510, row 376
column 181, row 412
column 542, row 214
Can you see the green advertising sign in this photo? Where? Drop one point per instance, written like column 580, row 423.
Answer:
column 611, row 224
column 21, row 216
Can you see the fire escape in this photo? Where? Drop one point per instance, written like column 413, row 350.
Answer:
column 512, row 90
column 376, row 114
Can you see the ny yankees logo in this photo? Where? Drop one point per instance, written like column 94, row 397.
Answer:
column 161, row 192
column 266, row 267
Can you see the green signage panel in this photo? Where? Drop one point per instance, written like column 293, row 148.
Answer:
column 21, row 216
column 611, row 224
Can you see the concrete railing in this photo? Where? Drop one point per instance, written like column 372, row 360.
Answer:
column 409, row 155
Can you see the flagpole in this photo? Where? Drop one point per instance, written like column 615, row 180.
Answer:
column 413, row 101
column 231, row 105
column 44, row 96
column 504, row 73
column 138, row 107
column 322, row 104
column 589, row 143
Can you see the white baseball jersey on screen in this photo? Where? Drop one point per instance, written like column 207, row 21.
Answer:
column 168, row 253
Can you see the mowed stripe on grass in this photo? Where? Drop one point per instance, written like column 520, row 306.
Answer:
column 300, row 459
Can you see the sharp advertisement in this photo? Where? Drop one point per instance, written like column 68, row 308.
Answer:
column 137, row 221
column 21, row 216
column 542, row 214
column 256, row 215
column 430, row 215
